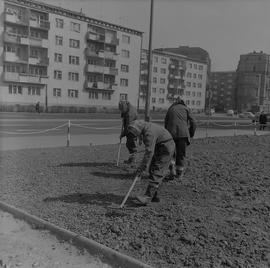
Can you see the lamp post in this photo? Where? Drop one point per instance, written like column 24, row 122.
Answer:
column 147, row 100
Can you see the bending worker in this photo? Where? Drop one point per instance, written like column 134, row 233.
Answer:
column 181, row 124
column 128, row 114
column 159, row 149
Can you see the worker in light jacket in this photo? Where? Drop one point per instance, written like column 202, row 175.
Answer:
column 159, row 150
column 181, row 124
column 128, row 114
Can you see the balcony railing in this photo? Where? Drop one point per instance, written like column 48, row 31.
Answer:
column 111, row 40
column 110, row 70
column 38, row 42
column 100, row 85
column 144, row 71
column 94, row 68
column 43, row 24
column 38, row 61
column 13, row 57
column 143, row 82
column 14, row 18
column 95, row 37
column 16, row 38
column 110, row 55
column 23, row 78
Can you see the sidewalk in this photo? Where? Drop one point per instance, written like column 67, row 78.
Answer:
column 16, row 143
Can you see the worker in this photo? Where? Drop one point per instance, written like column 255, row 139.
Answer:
column 159, row 149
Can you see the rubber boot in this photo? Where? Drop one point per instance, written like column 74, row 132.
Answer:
column 148, row 196
column 131, row 160
column 155, row 198
column 179, row 172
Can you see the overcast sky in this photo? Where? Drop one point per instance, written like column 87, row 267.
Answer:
column 225, row 28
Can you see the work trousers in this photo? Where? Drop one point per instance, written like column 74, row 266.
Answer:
column 160, row 162
column 180, row 151
column 131, row 143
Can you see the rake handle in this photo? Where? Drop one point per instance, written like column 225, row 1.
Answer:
column 129, row 191
column 118, row 154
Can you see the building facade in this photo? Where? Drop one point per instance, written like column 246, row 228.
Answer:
column 173, row 76
column 223, row 88
column 65, row 59
column 253, row 82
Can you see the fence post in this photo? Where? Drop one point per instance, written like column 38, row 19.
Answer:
column 255, row 129
column 234, row 128
column 68, row 134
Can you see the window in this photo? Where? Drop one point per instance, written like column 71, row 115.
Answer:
column 161, row 100
column 123, row 97
column 124, row 82
column 124, row 68
column 106, row 95
column 162, row 90
column 190, row 65
column 57, row 92
column 200, row 76
column 14, row 89
column 33, row 90
column 154, row 80
column 199, row 94
column 155, row 70
column 162, row 80
column 193, row 102
column 93, row 95
column 34, row 53
column 188, row 84
column 194, row 75
column 57, row 74
column 73, row 93
column 74, row 43
column 155, row 59
column 154, row 90
column 57, row 57
column 199, row 85
column 59, row 40
column 74, row 60
column 75, row 27
column 59, row 23
column 189, row 75
column 125, row 53
column 126, row 39
column 163, row 60
column 153, row 100
column 187, row 102
column 195, row 66
column 193, row 93
column 73, row 76
column 200, row 67
column 198, row 103
column 187, row 93
column 162, row 70
column 194, row 84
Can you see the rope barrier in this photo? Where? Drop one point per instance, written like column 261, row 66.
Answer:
column 97, row 128
column 35, row 132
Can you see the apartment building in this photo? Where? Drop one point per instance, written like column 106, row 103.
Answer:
column 253, row 82
column 64, row 58
column 223, row 88
column 173, row 76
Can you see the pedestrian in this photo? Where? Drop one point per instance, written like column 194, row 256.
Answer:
column 159, row 149
column 181, row 124
column 262, row 120
column 38, row 107
column 128, row 114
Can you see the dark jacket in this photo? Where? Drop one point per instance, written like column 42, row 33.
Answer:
column 152, row 135
column 128, row 114
column 263, row 119
column 179, row 121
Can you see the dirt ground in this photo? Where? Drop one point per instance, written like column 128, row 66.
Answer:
column 22, row 246
column 218, row 216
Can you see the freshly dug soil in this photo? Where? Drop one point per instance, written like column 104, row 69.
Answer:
column 218, row 216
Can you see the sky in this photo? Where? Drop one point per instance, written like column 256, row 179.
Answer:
column 225, row 28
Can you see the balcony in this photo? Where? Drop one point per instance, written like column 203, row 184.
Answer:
column 38, row 61
column 23, row 78
column 91, row 53
column 144, row 72
column 14, row 18
column 111, row 40
column 95, row 37
column 42, row 24
column 16, row 38
column 172, row 66
column 12, row 57
column 110, row 55
column 38, row 42
column 94, row 68
column 100, row 86
column 143, row 83
column 110, row 70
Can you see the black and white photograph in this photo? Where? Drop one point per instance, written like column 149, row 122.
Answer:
column 134, row 133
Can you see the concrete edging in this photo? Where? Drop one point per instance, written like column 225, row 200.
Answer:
column 106, row 254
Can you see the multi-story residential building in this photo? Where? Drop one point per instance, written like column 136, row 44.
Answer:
column 173, row 76
column 64, row 58
column 253, row 82
column 222, row 85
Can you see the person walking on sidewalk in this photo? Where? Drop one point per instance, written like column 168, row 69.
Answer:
column 38, row 107
column 128, row 114
column 159, row 150
column 262, row 120
column 181, row 124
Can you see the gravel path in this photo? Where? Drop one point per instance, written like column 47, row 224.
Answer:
column 23, row 246
column 218, row 216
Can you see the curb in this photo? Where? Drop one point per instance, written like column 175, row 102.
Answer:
column 104, row 253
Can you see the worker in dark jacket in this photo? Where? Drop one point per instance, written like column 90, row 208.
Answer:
column 262, row 120
column 128, row 114
column 180, row 123
column 159, row 150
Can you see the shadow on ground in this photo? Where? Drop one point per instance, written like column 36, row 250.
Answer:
column 89, row 164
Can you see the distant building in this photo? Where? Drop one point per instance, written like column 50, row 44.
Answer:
column 173, row 75
column 64, row 59
column 222, row 85
column 253, row 82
